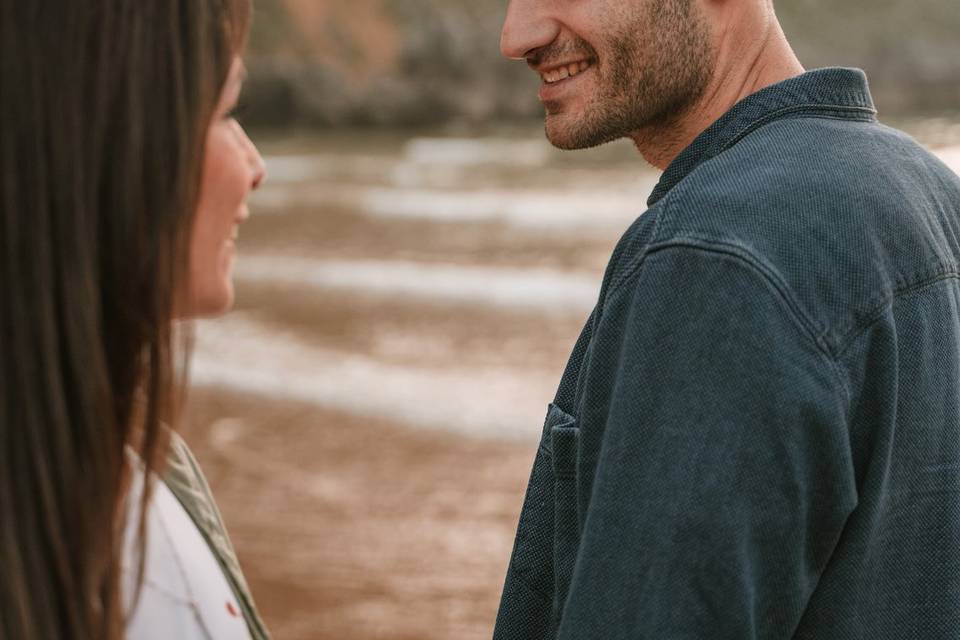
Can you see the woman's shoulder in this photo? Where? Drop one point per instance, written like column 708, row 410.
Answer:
column 184, row 592
column 186, row 481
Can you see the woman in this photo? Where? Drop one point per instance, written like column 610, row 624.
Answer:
column 122, row 179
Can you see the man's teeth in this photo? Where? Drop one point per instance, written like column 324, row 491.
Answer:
column 568, row 71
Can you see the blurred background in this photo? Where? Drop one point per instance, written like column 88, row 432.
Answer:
column 411, row 282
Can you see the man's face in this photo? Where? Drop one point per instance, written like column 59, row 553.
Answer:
column 611, row 68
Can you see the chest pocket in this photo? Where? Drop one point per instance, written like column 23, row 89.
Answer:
column 549, row 531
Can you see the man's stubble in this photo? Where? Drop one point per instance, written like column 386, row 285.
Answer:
column 657, row 66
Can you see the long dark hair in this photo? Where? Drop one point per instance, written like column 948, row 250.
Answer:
column 104, row 106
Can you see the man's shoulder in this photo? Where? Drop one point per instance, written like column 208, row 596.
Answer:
column 844, row 213
column 810, row 169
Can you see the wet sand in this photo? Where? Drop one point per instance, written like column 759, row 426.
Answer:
column 369, row 446
column 355, row 529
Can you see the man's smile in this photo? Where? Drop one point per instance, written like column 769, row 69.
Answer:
column 558, row 80
column 556, row 73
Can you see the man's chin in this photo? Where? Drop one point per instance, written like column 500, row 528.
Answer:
column 561, row 131
column 571, row 133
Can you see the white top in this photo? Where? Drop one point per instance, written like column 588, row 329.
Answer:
column 185, row 594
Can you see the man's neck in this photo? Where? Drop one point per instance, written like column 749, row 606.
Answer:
column 740, row 70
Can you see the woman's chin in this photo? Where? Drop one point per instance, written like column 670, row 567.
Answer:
column 208, row 303
column 218, row 303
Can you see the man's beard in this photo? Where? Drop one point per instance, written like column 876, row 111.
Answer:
column 654, row 71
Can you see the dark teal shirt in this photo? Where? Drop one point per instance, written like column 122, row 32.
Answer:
column 758, row 433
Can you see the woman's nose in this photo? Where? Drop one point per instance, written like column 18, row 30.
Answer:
column 258, row 169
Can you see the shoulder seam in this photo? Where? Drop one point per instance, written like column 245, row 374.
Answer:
column 876, row 313
column 803, row 321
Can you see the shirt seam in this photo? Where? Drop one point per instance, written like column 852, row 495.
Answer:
column 819, row 335
column 809, row 110
column 782, row 291
column 875, row 315
column 173, row 598
column 521, row 578
column 631, row 269
column 806, row 110
column 519, row 573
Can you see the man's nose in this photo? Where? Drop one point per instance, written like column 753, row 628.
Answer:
column 527, row 27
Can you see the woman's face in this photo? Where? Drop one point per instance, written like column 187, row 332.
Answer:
column 232, row 167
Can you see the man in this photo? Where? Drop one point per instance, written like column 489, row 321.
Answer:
column 758, row 432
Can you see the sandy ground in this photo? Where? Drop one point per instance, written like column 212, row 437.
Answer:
column 355, row 529
column 369, row 444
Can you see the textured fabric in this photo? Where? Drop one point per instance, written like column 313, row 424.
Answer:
column 187, row 483
column 184, row 593
column 758, row 433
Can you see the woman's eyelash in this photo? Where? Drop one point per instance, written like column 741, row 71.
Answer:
column 237, row 111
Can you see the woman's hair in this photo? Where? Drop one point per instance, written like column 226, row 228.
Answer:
column 104, row 107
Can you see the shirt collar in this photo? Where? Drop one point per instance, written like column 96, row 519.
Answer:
column 839, row 93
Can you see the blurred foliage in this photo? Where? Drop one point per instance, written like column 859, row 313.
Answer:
column 909, row 48
column 317, row 63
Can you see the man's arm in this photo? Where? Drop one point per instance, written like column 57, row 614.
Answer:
column 725, row 476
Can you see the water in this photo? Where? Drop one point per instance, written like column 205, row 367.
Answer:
column 540, row 290
column 403, row 279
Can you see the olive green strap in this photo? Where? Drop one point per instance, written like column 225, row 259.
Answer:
column 186, row 481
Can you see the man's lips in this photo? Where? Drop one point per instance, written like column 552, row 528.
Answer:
column 557, row 86
column 554, row 73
